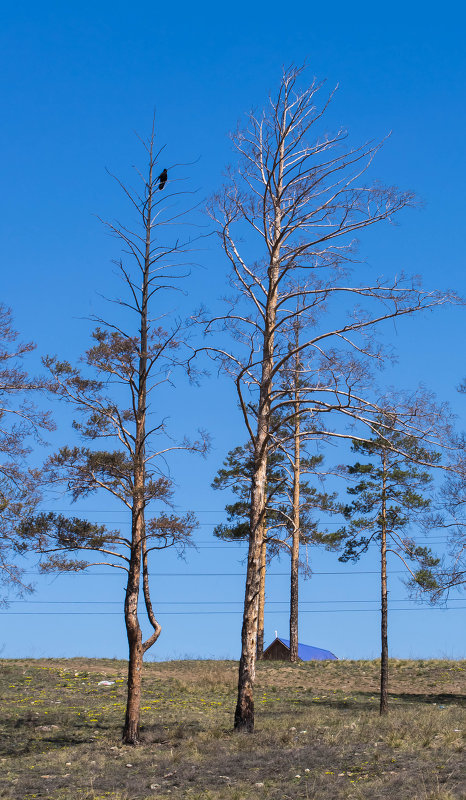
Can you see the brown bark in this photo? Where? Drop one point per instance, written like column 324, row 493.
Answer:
column 133, row 702
column 131, row 729
column 133, row 630
column 150, row 611
column 384, row 601
column 244, row 713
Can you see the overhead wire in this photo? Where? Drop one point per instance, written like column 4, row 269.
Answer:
column 214, row 602
column 197, row 613
column 209, row 574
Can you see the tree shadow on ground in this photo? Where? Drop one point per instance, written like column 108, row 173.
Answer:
column 369, row 700
column 22, row 736
column 432, row 699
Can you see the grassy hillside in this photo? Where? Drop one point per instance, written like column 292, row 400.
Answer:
column 318, row 732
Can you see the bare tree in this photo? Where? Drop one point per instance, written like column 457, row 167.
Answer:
column 287, row 218
column 128, row 367
column 20, row 421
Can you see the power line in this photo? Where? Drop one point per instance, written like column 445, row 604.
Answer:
column 372, row 544
column 211, row 574
column 213, row 602
column 127, row 511
column 153, row 514
column 197, row 613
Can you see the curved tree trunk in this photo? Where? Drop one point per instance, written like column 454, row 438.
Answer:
column 133, row 703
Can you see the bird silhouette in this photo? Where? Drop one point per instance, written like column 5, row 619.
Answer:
column 162, row 179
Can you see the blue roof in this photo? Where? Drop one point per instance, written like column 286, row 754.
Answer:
column 308, row 653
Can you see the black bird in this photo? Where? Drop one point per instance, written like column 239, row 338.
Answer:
column 162, row 178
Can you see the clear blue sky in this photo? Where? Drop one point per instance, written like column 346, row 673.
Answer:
column 76, row 81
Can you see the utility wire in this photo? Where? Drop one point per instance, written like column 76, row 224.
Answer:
column 214, row 602
column 197, row 613
column 211, row 574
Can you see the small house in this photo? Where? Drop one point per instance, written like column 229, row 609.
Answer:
column 279, row 650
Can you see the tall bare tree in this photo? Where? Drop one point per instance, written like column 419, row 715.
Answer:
column 287, row 218
column 128, row 366
column 21, row 422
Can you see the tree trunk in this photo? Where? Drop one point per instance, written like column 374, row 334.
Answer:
column 296, row 529
column 133, row 632
column 133, row 703
column 138, row 530
column 261, row 609
column 384, row 603
column 244, row 713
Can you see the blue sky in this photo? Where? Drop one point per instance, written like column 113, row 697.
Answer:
column 76, row 82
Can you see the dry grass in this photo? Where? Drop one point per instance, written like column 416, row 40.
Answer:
column 318, row 732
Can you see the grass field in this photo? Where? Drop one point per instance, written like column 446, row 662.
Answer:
column 318, row 732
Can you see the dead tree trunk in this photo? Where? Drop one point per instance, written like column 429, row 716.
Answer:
column 244, row 713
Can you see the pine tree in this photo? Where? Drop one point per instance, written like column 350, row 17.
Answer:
column 279, row 527
column 21, row 422
column 390, row 494
column 112, row 390
column 287, row 218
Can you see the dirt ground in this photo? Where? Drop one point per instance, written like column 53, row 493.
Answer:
column 318, row 732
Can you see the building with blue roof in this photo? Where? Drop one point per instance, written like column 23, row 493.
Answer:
column 279, row 650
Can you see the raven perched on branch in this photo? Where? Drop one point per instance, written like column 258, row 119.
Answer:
column 162, row 178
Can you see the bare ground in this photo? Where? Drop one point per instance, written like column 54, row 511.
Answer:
column 318, row 732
